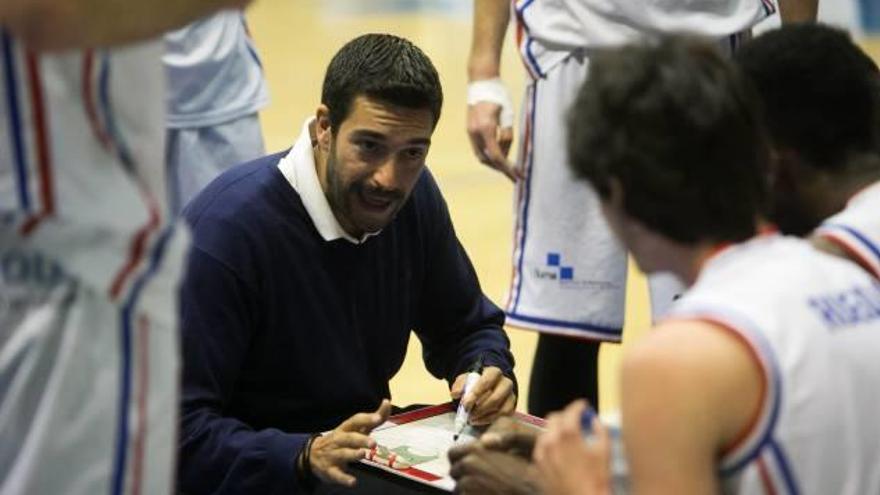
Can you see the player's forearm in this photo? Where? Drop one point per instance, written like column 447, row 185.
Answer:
column 490, row 25
column 68, row 24
column 798, row 10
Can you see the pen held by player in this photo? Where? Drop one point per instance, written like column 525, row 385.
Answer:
column 491, row 397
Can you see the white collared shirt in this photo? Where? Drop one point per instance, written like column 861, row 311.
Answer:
column 299, row 168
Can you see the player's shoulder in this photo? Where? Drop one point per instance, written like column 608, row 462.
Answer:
column 689, row 355
column 691, row 372
column 767, row 262
column 678, row 341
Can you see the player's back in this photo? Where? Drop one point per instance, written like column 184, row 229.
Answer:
column 813, row 323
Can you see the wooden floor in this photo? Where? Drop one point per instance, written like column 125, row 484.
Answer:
column 297, row 40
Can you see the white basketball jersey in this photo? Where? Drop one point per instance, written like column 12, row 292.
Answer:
column 214, row 72
column 83, row 156
column 89, row 267
column 812, row 321
column 548, row 30
column 856, row 229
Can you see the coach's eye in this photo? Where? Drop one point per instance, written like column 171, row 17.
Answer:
column 416, row 153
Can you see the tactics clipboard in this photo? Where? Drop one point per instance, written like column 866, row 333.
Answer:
column 414, row 444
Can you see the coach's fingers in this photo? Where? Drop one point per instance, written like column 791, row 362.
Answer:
column 499, row 401
column 338, row 475
column 345, row 455
column 458, row 386
column 365, row 422
column 482, row 389
column 352, row 440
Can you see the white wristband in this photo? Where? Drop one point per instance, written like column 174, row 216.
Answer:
column 492, row 91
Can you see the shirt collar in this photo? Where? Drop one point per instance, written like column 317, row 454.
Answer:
column 299, row 168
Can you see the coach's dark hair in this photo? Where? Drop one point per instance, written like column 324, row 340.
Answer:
column 820, row 93
column 384, row 67
column 675, row 124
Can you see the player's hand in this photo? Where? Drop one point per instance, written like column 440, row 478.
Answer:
column 489, row 139
column 492, row 396
column 478, row 470
column 347, row 443
column 563, row 446
column 505, row 435
column 510, row 436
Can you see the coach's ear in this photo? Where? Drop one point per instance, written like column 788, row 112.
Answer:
column 323, row 133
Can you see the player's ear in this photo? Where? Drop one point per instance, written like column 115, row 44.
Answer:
column 323, row 131
column 785, row 169
column 616, row 194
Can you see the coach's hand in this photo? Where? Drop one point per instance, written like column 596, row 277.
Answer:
column 489, row 139
column 492, row 396
column 347, row 443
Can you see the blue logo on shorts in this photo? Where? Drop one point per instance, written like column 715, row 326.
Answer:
column 556, row 271
column 565, row 272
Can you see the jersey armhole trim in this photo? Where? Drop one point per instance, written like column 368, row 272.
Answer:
column 846, row 239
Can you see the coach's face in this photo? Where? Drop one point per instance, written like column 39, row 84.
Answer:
column 372, row 162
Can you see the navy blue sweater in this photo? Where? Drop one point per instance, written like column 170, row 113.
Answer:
column 286, row 334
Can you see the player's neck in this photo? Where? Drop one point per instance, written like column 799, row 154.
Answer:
column 655, row 253
column 834, row 190
column 686, row 261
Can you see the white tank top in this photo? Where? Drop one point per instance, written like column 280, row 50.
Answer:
column 548, row 30
column 82, row 204
column 82, row 174
column 856, row 229
column 214, row 72
column 812, row 321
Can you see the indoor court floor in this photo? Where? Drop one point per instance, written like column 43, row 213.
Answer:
column 296, row 40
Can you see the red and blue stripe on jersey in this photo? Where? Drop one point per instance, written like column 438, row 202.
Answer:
column 28, row 123
column 524, row 41
column 29, row 138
